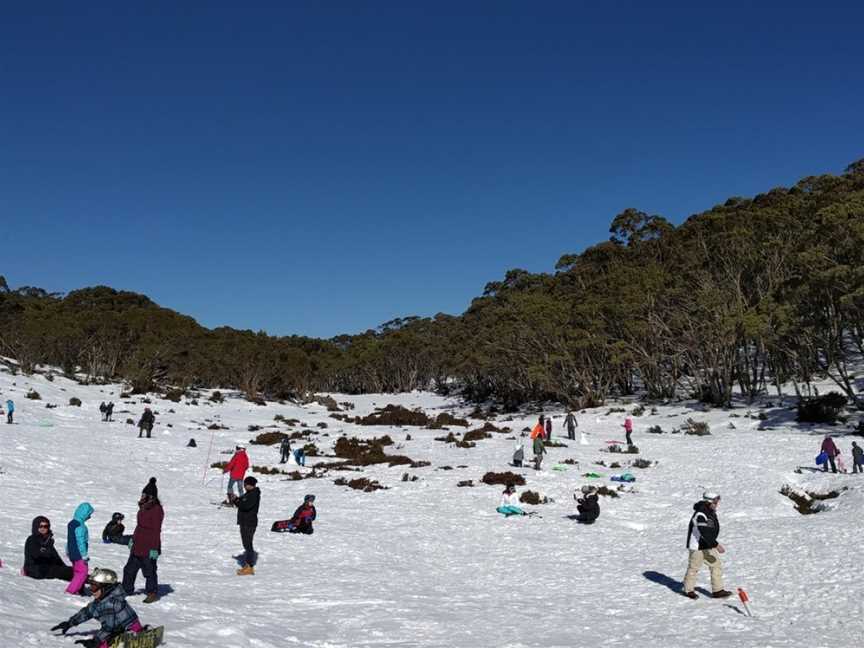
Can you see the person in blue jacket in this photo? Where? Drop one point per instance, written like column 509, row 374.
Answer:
column 10, row 410
column 78, row 546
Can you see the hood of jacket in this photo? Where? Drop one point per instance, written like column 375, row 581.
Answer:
column 703, row 507
column 39, row 519
column 83, row 512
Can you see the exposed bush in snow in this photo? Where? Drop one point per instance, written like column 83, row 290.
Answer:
column 174, row 395
column 607, row 492
column 639, row 410
column 217, row 397
column 617, row 449
column 655, row 429
column 641, row 463
column 75, row 402
column 465, row 484
column 33, row 395
column 697, row 428
column 444, row 419
column 806, row 502
column 327, row 401
column 503, row 478
column 361, row 483
column 530, row 497
column 476, row 435
column 821, row 409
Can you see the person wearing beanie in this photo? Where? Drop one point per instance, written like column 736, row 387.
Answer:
column 114, row 531
column 236, row 469
column 247, row 519
column 41, row 559
column 303, row 517
column 702, row 533
column 146, row 545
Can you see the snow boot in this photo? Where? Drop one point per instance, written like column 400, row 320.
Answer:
column 721, row 594
column 246, row 570
column 691, row 595
column 151, row 598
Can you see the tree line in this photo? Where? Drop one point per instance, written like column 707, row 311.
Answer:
column 749, row 295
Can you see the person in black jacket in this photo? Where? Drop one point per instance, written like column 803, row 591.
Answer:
column 145, row 424
column 114, row 531
column 41, row 559
column 285, row 447
column 247, row 518
column 588, row 505
column 702, row 533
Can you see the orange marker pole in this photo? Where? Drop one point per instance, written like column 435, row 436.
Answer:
column 744, row 601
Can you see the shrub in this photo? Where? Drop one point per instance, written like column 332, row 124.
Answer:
column 406, row 477
column 174, row 395
column 503, row 478
column 265, row 470
column 217, row 397
column 641, row 463
column 476, row 435
column 310, row 450
column 50, row 406
column 33, row 395
column 130, row 421
column 615, row 410
column 530, row 497
column 616, row 449
column 821, row 409
column 361, row 484
column 655, row 429
column 607, row 492
column 697, row 428
column 321, row 425
column 266, row 438
column 75, row 402
column 219, row 464
column 468, row 483
column 639, row 410
column 444, row 419
column 253, row 428
column 392, row 415
column 216, row 426
column 327, row 401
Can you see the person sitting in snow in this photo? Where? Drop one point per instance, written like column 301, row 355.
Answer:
column 702, row 545
column 109, row 608
column 508, row 505
column 113, row 531
column 41, row 559
column 304, row 516
column 588, row 505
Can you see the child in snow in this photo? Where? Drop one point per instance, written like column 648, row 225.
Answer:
column 518, row 452
column 78, row 546
column 236, row 468
column 303, row 517
column 628, row 430
column 109, row 608
column 508, row 505
column 10, row 410
column 857, row 458
column 41, row 559
column 588, row 505
column 113, row 531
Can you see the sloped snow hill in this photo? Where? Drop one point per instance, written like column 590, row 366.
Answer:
column 426, row 563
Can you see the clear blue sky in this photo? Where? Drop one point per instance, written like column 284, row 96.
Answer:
column 322, row 167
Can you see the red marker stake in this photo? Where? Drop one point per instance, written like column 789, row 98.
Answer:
column 744, row 601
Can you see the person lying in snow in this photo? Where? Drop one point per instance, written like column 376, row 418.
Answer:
column 109, row 608
column 302, row 520
column 588, row 505
column 41, row 559
column 508, row 507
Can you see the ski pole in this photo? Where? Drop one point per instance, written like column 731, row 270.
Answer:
column 744, row 601
column 207, row 462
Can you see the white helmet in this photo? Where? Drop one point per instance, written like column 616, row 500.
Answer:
column 710, row 496
column 103, row 576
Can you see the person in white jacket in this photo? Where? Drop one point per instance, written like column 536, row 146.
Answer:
column 508, row 505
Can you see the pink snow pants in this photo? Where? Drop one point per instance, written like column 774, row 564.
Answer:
column 79, row 577
column 134, row 627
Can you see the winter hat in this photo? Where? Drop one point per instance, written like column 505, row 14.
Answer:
column 309, row 498
column 116, row 517
column 250, row 481
column 587, row 489
column 150, row 489
column 710, row 496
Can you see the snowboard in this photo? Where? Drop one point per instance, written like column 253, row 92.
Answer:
column 281, row 526
column 147, row 638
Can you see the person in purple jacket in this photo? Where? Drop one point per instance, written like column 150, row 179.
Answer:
column 831, row 450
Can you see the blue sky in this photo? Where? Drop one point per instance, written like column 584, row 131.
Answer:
column 322, row 167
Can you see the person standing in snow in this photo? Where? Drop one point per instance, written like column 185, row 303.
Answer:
column 236, row 469
column 10, row 410
column 857, row 458
column 146, row 422
column 702, row 545
column 539, row 451
column 628, row 430
column 146, row 545
column 509, row 505
column 109, row 411
column 571, row 424
column 41, row 559
column 78, row 546
column 102, row 408
column 247, row 518
column 549, row 429
column 109, row 608
column 300, row 457
column 831, row 451
column 285, row 448
column 587, row 505
column 518, row 452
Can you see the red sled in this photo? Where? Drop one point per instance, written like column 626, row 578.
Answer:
column 282, row 526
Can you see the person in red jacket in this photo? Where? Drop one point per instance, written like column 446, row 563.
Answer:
column 146, row 545
column 236, row 470
column 830, row 449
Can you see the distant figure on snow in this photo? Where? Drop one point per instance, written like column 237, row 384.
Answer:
column 571, row 424
column 113, row 533
column 518, row 452
column 702, row 533
column 285, row 448
column 549, row 429
column 247, row 519
column 10, row 410
column 588, row 505
column 236, row 469
column 109, row 411
column 146, row 545
column 831, row 451
column 302, row 520
column 41, row 559
column 628, row 430
column 539, row 451
column 300, row 457
column 103, row 408
column 109, row 608
column 509, row 502
column 857, row 458
column 78, row 546
column 145, row 424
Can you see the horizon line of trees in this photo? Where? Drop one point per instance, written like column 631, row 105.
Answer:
column 749, row 295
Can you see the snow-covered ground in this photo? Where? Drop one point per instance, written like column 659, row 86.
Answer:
column 425, row 563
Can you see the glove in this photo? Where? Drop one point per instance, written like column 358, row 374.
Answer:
column 130, row 544
column 63, row 627
column 153, row 555
column 89, row 643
